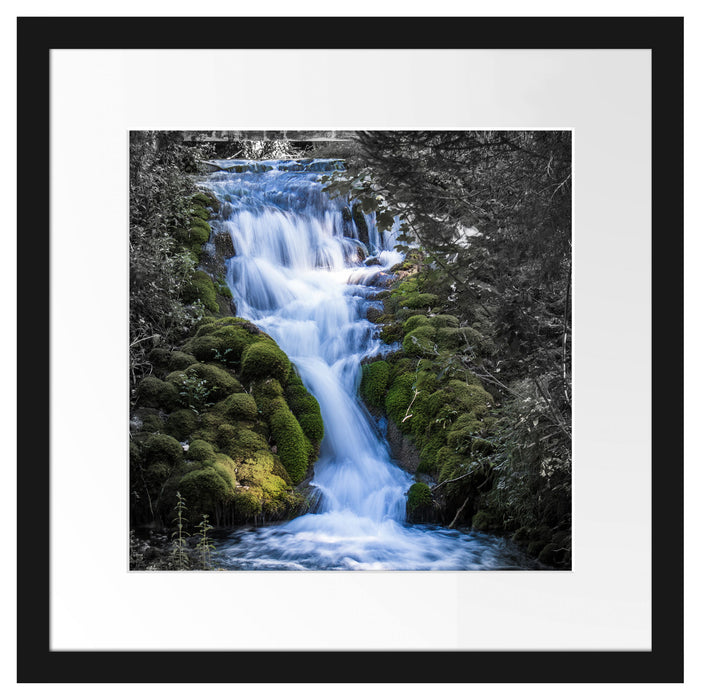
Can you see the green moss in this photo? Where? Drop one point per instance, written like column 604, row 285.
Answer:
column 462, row 432
column 180, row 424
column 420, row 342
column 391, row 333
column 200, row 451
column 247, row 503
column 265, row 359
column 415, row 322
column 163, row 448
column 219, row 381
column 201, row 287
column 293, row 447
column 313, row 427
column 450, row 339
column 238, row 407
column 265, row 391
column 374, row 383
column 159, row 357
column 205, row 199
column 205, row 489
column 399, row 397
column 419, row 503
column 483, row 520
column 444, row 321
column 243, row 443
column 417, row 300
column 152, row 424
column 180, row 360
column 204, row 348
column 155, row 393
column 462, row 398
column 429, row 453
column 199, row 212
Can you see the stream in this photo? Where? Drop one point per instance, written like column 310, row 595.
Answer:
column 304, row 272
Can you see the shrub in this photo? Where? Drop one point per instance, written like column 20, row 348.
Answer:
column 265, row 359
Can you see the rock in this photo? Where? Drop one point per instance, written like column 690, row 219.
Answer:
column 373, row 314
column 402, row 449
column 223, row 245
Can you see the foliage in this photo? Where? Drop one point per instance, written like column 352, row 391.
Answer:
column 486, row 228
column 161, row 186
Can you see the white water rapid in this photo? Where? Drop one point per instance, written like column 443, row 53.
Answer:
column 303, row 274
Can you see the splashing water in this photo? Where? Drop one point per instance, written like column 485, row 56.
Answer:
column 303, row 274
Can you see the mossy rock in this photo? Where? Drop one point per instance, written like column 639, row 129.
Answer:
column 238, row 407
column 462, row 398
column 204, row 348
column 417, row 300
column 205, row 489
column 414, row 322
column 199, row 212
column 391, row 333
column 234, row 340
column 219, row 381
column 180, row 360
column 294, row 449
column 483, row 520
column 265, row 392
column 163, row 448
column 152, row 424
column 205, row 199
column 374, row 383
column 159, row 358
column 449, row 463
column 444, row 321
column 398, row 399
column 242, row 443
column 265, row 359
column 429, row 453
column 420, row 342
column 419, row 502
column 201, row 287
column 155, row 393
column 200, row 451
column 180, row 424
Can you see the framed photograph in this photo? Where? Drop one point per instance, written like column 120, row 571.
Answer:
column 367, row 352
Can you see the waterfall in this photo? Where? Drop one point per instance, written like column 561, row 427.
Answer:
column 304, row 273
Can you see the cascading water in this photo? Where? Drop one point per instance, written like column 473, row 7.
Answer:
column 302, row 274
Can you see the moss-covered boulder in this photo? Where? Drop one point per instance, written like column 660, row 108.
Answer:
column 265, row 359
column 181, row 424
column 419, row 503
column 293, row 448
column 375, row 378
column 201, row 287
column 155, row 393
column 162, row 448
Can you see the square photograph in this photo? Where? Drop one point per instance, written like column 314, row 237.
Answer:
column 350, row 350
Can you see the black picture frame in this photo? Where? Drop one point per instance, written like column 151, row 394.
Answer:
column 38, row 663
